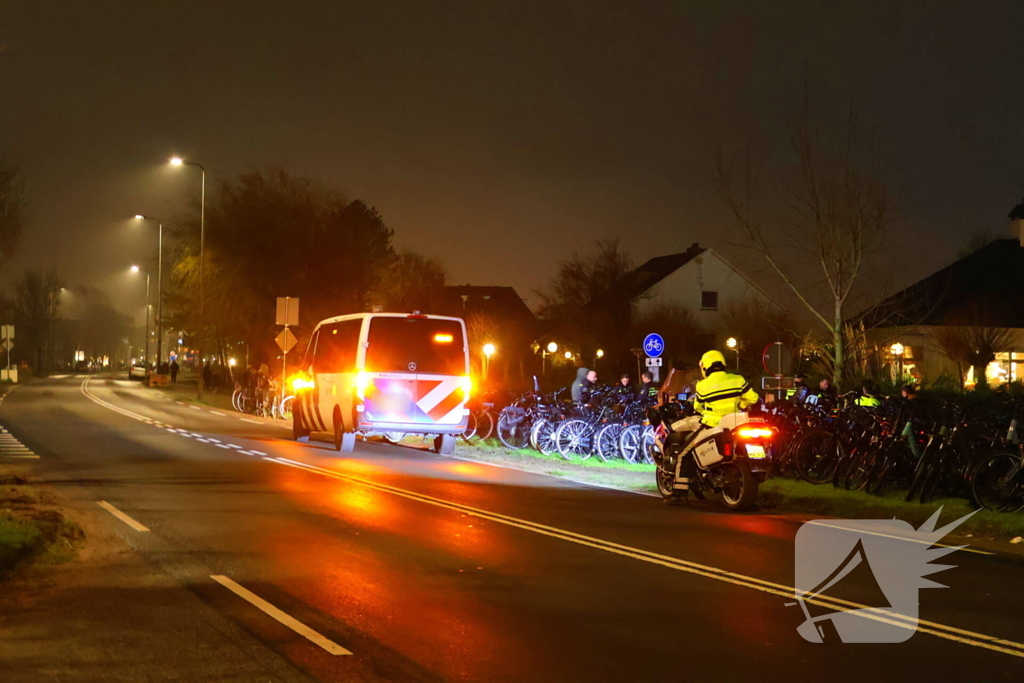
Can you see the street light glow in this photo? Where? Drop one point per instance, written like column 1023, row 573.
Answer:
column 176, row 161
column 139, row 216
column 489, row 350
column 600, row 353
column 896, row 349
column 135, row 269
column 568, row 355
column 731, row 342
column 232, row 362
column 552, row 347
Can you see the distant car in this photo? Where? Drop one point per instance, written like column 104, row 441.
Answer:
column 83, row 366
column 138, row 371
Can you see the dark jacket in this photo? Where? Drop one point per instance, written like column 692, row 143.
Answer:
column 581, row 386
column 649, row 390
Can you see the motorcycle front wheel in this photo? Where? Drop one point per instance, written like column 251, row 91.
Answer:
column 666, row 483
column 739, row 487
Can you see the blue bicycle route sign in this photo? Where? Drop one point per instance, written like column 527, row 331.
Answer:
column 654, row 345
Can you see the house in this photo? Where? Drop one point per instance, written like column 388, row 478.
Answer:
column 980, row 295
column 699, row 279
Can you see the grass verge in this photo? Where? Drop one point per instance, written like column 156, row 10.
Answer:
column 29, row 531
column 777, row 496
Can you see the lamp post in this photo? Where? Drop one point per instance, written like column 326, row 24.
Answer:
column 159, row 287
column 135, row 269
column 488, row 350
column 49, row 334
column 897, row 350
column 550, row 349
column 735, row 346
column 178, row 161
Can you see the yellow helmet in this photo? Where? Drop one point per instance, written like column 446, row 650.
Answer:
column 709, row 359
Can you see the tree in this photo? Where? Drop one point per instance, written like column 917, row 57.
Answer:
column 835, row 210
column 410, row 281
column 36, row 302
column 588, row 304
column 271, row 234
column 972, row 346
column 13, row 202
column 755, row 324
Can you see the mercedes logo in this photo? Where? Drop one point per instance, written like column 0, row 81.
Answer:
column 412, row 367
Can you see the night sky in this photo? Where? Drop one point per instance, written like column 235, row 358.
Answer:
column 499, row 136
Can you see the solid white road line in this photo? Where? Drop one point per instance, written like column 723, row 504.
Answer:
column 865, row 611
column 35, row 457
column 121, row 516
column 245, row 419
column 285, row 619
column 901, row 538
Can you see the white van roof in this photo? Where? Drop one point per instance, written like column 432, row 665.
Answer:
column 356, row 316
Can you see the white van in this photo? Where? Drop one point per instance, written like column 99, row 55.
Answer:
column 384, row 374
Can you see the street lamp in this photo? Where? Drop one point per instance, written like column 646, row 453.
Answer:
column 488, row 350
column 552, row 347
column 735, row 346
column 136, row 269
column 159, row 286
column 178, row 161
column 600, row 353
column 568, row 355
column 897, row 350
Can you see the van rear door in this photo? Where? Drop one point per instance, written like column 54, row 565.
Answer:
column 416, row 371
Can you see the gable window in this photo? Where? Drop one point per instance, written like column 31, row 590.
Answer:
column 709, row 301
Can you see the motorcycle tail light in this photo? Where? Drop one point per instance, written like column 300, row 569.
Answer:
column 755, row 433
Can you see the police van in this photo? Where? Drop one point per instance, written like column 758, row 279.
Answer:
column 384, row 374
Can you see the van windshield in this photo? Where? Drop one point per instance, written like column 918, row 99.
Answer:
column 420, row 345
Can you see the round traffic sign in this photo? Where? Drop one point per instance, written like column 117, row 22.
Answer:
column 654, row 345
column 777, row 359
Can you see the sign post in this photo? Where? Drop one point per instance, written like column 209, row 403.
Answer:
column 7, row 333
column 654, row 346
column 777, row 360
column 287, row 315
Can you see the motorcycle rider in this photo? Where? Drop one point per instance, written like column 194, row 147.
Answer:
column 720, row 393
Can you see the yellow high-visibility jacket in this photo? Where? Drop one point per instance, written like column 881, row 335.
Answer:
column 720, row 394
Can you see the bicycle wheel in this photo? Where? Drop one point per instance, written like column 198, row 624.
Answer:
column 860, row 470
column 997, row 484
column 542, row 436
column 235, row 396
column 484, row 425
column 606, row 442
column 629, row 443
column 285, row 409
column 513, row 430
column 574, row 439
column 471, row 424
column 646, row 444
column 815, row 455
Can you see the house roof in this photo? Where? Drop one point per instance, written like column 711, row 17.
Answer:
column 655, row 270
column 501, row 301
column 983, row 288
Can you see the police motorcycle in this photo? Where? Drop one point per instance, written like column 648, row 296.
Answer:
column 731, row 460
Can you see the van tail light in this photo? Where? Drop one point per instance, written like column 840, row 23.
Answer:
column 362, row 383
column 751, row 433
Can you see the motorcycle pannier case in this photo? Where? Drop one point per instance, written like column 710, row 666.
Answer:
column 706, row 451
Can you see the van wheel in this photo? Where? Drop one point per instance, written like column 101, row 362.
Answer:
column 444, row 444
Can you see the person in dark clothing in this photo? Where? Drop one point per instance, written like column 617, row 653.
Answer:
column 580, row 389
column 625, row 388
column 648, row 390
column 207, row 376
column 174, row 371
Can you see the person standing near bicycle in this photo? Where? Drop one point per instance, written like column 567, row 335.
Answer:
column 582, row 386
column 625, row 389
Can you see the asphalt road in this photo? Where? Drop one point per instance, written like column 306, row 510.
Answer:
column 428, row 568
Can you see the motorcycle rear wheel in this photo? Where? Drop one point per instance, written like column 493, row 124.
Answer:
column 739, row 487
